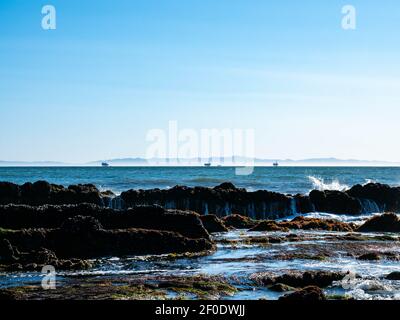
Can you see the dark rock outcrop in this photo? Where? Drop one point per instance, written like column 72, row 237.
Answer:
column 299, row 280
column 335, row 202
column 269, row 225
column 7, row 252
column 84, row 237
column 371, row 256
column 387, row 198
column 388, row 222
column 310, row 293
column 42, row 192
column 145, row 217
column 222, row 200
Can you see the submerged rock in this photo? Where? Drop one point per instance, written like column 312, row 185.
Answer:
column 311, row 293
column 388, row 222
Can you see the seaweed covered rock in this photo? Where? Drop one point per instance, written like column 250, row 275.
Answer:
column 9, row 193
column 269, row 225
column 81, row 225
column 311, row 293
column 239, row 222
column 388, row 222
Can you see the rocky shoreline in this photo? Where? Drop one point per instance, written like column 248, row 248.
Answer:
column 69, row 228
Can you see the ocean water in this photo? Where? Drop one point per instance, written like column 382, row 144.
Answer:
column 289, row 180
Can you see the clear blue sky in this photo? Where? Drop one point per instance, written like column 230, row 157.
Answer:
column 115, row 69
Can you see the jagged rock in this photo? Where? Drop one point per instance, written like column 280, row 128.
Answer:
column 213, row 224
column 311, row 293
column 239, row 222
column 388, row 222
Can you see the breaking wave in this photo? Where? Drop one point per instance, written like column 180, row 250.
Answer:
column 320, row 184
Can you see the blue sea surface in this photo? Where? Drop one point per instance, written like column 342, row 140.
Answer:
column 290, row 180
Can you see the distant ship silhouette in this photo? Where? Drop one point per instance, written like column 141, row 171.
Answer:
column 275, row 164
column 105, row 164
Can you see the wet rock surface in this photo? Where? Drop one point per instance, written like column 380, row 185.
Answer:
column 126, row 288
column 304, row 224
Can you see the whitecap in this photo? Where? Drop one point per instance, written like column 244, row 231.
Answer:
column 321, row 185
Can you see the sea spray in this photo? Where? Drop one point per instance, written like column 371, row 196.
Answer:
column 321, row 185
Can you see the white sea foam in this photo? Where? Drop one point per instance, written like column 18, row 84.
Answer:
column 320, row 184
